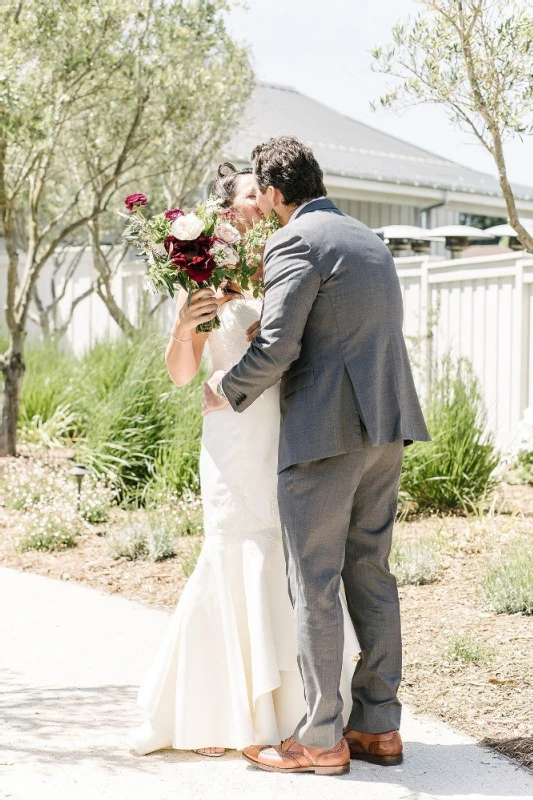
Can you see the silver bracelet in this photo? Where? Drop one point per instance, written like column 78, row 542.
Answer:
column 180, row 340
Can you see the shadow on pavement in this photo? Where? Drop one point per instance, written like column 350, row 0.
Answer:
column 89, row 725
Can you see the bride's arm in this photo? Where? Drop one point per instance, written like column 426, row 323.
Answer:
column 185, row 347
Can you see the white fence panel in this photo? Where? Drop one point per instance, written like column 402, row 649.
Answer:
column 481, row 308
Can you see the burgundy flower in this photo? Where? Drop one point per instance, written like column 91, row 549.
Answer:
column 174, row 213
column 201, row 268
column 134, row 201
column 192, row 256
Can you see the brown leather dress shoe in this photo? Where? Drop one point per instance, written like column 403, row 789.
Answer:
column 377, row 748
column 291, row 756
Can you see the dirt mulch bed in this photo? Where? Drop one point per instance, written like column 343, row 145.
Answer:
column 91, row 563
column 491, row 700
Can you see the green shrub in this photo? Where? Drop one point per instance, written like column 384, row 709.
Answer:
column 60, row 427
column 150, row 536
column 160, row 537
column 456, row 468
column 507, row 587
column 26, row 483
column 467, row 649
column 129, row 541
column 417, row 561
column 48, row 526
column 143, row 430
column 46, row 383
column 96, row 502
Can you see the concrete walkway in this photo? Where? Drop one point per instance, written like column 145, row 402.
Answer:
column 70, row 661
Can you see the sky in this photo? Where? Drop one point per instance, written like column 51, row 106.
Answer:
column 321, row 48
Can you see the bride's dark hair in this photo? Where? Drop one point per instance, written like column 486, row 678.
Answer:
column 225, row 188
column 225, row 184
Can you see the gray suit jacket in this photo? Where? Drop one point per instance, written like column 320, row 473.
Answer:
column 331, row 331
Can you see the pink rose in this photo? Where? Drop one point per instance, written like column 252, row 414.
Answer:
column 135, row 201
column 227, row 232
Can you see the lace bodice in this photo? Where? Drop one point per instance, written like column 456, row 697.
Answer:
column 228, row 344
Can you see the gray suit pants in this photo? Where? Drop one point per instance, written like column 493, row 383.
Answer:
column 337, row 516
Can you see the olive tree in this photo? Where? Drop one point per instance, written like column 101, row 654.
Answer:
column 88, row 94
column 475, row 58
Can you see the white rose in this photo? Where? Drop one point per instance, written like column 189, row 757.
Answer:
column 187, row 227
column 224, row 255
column 227, row 232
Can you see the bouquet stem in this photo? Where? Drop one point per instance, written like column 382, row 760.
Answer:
column 204, row 327
column 207, row 327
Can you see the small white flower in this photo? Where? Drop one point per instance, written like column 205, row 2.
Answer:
column 159, row 248
column 224, row 255
column 227, row 232
column 148, row 286
column 187, row 227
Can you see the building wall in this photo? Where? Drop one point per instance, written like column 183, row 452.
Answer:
column 376, row 215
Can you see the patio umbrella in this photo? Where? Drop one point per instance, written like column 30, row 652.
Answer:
column 507, row 230
column 458, row 236
column 401, row 238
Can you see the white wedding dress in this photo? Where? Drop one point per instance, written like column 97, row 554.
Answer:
column 226, row 674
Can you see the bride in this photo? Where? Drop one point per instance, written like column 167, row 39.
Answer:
column 226, row 675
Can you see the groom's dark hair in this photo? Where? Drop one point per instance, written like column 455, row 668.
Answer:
column 288, row 165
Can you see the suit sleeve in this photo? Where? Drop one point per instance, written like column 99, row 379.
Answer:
column 292, row 282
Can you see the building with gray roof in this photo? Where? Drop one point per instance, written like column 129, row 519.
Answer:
column 371, row 175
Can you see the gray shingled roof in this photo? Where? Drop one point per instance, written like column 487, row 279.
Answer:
column 344, row 146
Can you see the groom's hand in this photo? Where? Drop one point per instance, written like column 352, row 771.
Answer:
column 211, row 400
column 253, row 330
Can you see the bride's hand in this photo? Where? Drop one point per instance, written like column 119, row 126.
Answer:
column 202, row 308
column 211, row 400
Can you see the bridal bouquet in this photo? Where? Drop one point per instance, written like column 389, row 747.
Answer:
column 196, row 250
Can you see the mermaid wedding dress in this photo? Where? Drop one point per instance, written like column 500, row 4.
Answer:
column 226, row 674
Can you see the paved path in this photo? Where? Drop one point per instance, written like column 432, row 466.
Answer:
column 70, row 661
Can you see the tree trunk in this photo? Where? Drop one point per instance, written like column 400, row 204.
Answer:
column 103, row 286
column 524, row 237
column 13, row 371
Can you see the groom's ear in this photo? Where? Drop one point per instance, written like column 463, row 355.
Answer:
column 276, row 197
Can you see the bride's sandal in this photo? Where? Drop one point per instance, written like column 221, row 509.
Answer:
column 211, row 752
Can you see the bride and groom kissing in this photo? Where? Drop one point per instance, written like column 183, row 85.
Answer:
column 310, row 404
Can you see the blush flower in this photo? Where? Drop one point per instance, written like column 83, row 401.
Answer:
column 227, row 232
column 187, row 227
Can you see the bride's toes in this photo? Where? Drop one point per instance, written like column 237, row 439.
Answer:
column 211, row 752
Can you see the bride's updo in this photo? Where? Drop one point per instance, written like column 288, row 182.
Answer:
column 225, row 184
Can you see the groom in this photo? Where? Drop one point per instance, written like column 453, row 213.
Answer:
column 331, row 332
